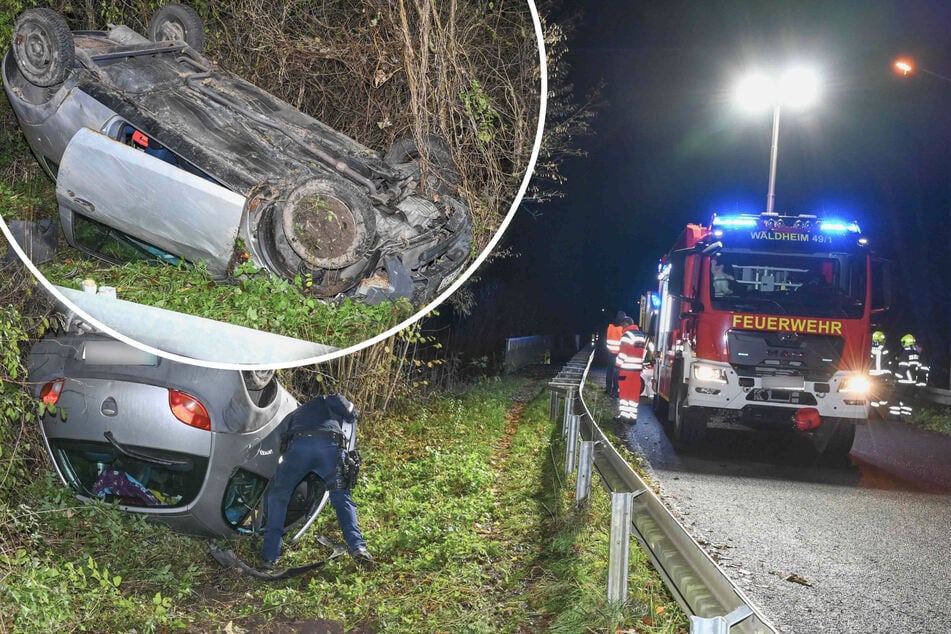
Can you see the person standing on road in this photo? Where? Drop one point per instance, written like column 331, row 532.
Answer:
column 314, row 441
column 612, row 341
column 880, row 372
column 630, row 362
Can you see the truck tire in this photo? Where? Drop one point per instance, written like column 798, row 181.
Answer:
column 840, row 444
column 692, row 427
column 43, row 47
column 660, row 409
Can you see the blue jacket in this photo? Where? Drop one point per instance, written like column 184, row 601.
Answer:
column 323, row 413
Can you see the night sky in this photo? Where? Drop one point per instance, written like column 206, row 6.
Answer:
column 671, row 148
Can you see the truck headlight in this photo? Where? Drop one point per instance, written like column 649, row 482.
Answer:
column 857, row 384
column 708, row 373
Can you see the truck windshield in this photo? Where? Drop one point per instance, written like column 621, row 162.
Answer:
column 771, row 284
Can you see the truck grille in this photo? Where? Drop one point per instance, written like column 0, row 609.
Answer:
column 756, row 354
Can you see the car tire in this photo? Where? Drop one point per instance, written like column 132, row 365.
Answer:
column 43, row 47
column 443, row 176
column 177, row 22
column 257, row 379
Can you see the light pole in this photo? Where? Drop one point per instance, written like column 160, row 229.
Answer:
column 796, row 88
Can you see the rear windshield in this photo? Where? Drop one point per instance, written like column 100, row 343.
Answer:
column 151, row 479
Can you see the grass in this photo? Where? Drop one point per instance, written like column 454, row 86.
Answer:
column 935, row 418
column 463, row 502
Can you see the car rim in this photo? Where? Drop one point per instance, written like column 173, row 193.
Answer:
column 172, row 31
column 35, row 49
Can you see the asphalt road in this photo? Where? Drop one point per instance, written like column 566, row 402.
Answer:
column 863, row 548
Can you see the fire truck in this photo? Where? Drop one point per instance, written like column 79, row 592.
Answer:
column 764, row 323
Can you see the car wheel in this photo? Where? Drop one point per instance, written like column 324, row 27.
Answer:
column 43, row 47
column 177, row 22
column 324, row 226
column 442, row 175
column 307, row 495
column 257, row 379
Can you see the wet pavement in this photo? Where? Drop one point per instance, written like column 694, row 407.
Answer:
column 857, row 548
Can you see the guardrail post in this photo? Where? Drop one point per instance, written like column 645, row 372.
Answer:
column 571, row 446
column 585, row 462
column 569, row 408
column 619, row 548
column 554, row 401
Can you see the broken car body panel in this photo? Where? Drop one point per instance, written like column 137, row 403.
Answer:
column 144, row 196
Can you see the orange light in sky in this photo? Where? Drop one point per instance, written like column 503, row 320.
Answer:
column 904, row 66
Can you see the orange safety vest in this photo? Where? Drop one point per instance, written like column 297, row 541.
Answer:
column 613, row 339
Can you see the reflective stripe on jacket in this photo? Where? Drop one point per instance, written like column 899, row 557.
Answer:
column 631, row 354
column 613, row 338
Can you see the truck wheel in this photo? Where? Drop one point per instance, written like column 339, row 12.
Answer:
column 660, row 409
column 43, row 47
column 840, row 444
column 442, row 175
column 177, row 22
column 691, row 428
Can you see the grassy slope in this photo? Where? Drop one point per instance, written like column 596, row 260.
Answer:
column 461, row 502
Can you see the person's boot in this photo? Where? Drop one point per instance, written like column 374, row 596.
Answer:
column 362, row 557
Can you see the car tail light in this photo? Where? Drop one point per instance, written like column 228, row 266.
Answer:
column 50, row 392
column 189, row 410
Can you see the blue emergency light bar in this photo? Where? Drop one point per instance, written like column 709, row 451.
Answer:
column 837, row 226
column 735, row 222
column 772, row 221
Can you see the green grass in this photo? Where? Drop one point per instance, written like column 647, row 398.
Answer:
column 935, row 418
column 463, row 502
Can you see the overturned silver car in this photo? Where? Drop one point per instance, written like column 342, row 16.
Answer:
column 155, row 148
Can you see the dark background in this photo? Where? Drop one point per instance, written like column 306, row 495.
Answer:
column 671, row 148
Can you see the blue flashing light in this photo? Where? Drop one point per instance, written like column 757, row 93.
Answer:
column 655, row 300
column 734, row 222
column 837, row 226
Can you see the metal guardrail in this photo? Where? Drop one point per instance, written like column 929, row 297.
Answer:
column 714, row 603
column 522, row 351
column 936, row 395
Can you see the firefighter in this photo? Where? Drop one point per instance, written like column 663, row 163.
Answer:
column 630, row 362
column 880, row 372
column 315, row 442
column 911, row 370
column 612, row 342
column 911, row 374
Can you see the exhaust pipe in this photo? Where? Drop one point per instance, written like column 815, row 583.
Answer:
column 807, row 419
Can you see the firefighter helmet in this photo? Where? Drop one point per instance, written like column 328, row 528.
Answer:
column 878, row 337
column 907, row 340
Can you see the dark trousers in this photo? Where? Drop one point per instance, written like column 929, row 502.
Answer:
column 610, row 375
column 305, row 454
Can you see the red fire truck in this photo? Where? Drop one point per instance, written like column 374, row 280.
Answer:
column 764, row 323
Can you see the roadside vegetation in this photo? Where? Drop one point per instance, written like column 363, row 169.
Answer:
column 463, row 504
column 932, row 417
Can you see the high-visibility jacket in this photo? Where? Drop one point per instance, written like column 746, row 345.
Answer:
column 613, row 338
column 630, row 356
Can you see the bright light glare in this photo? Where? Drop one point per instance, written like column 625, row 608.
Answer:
column 756, row 92
column 856, row 384
column 904, row 66
column 799, row 88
